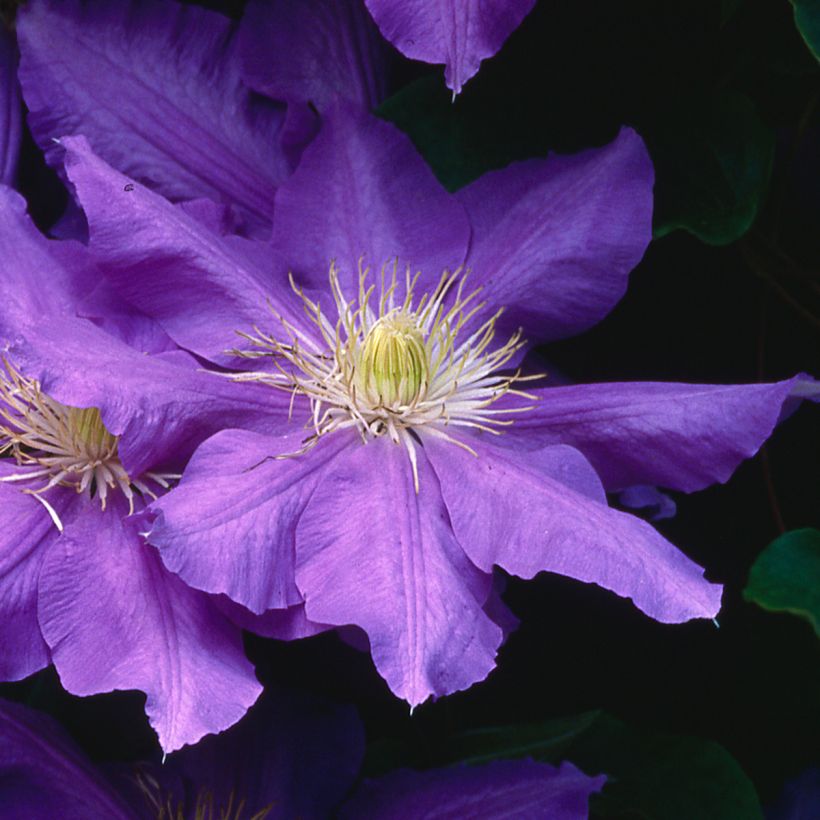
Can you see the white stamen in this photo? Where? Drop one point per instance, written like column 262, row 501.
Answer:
column 69, row 446
column 392, row 364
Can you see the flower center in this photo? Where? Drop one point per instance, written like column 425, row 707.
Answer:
column 67, row 446
column 397, row 365
column 393, row 368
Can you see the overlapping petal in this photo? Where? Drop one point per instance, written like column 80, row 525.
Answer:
column 156, row 87
column 25, row 537
column 161, row 408
column 537, row 513
column 362, row 190
column 230, row 525
column 287, row 46
column 395, row 569
column 503, row 788
column 102, row 586
column 201, row 286
column 681, row 436
column 554, row 240
column 458, row 33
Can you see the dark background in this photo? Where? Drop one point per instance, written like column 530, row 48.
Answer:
column 726, row 96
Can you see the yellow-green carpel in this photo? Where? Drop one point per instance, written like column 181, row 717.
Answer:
column 394, row 368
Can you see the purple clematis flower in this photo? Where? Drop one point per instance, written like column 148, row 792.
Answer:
column 293, row 757
column 458, row 33
column 94, row 413
column 388, row 500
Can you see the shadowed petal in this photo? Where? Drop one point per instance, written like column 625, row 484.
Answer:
column 26, row 532
column 162, row 407
column 362, row 189
column 115, row 619
column 294, row 753
column 283, row 624
column 43, row 775
column 555, row 239
column 156, row 88
column 11, row 111
column 372, row 553
column 681, row 436
column 538, row 512
column 313, row 52
column 458, row 33
column 40, row 276
column 229, row 526
column 199, row 285
column 503, row 788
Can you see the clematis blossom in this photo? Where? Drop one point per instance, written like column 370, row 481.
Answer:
column 97, row 414
column 417, row 458
column 294, row 756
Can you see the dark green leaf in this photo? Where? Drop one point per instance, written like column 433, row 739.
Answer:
column 786, row 576
column 807, row 18
column 713, row 163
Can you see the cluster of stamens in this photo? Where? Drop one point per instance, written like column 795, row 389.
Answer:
column 61, row 445
column 393, row 364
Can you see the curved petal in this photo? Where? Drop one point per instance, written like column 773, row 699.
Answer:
column 43, row 774
column 161, row 407
column 26, row 531
column 555, row 239
column 115, row 619
column 11, row 110
column 156, row 87
column 537, row 513
column 458, row 33
column 289, row 624
column 202, row 287
column 362, row 189
column 229, row 526
column 503, row 788
column 681, row 436
column 286, row 48
column 373, row 553
column 40, row 276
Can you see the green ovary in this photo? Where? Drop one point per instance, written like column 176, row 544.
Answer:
column 393, row 366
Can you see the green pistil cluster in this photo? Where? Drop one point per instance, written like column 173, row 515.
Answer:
column 394, row 369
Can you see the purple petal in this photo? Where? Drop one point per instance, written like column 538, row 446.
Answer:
column 283, row 624
column 40, row 276
column 115, row 619
column 156, row 88
column 229, row 526
column 313, row 52
column 26, row 532
column 11, row 111
column 43, row 775
column 503, row 788
column 161, row 407
column 458, row 33
column 293, row 753
column 200, row 286
column 372, row 553
column 537, row 512
column 361, row 189
column 681, row 436
column 555, row 239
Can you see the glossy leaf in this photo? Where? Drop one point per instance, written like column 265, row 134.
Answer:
column 713, row 162
column 786, row 576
